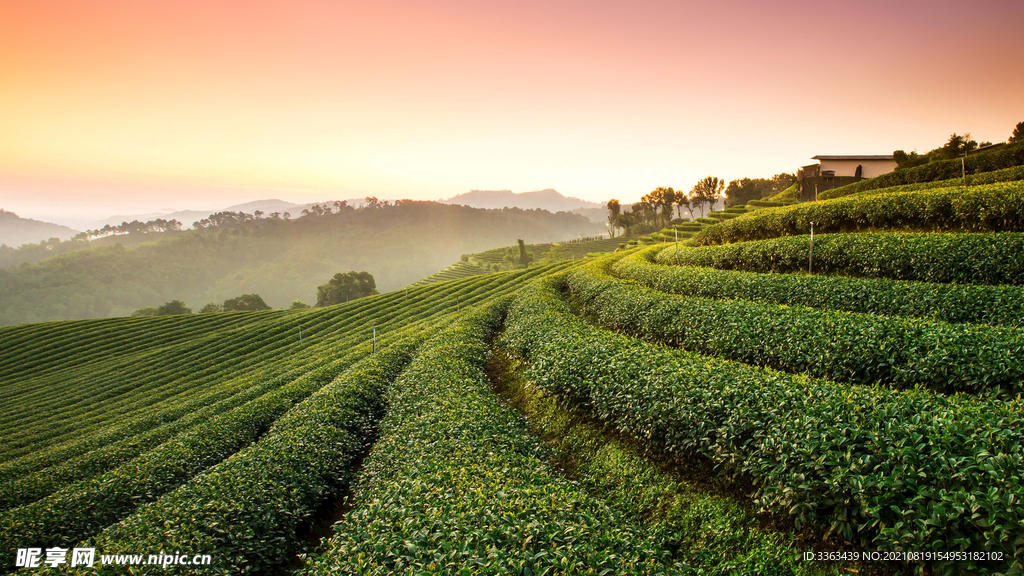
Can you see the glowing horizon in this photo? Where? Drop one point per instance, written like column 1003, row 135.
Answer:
column 108, row 103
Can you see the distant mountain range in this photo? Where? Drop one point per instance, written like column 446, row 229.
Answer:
column 15, row 230
column 547, row 199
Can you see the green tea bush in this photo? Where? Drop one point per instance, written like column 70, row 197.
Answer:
column 768, row 203
column 961, row 258
column 988, row 208
column 719, row 533
column 249, row 508
column 842, row 346
column 998, row 305
column 887, row 470
column 456, row 485
column 1005, row 175
column 80, row 510
column 44, row 480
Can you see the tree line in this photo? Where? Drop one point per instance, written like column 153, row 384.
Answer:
column 133, row 227
column 659, row 207
column 958, row 146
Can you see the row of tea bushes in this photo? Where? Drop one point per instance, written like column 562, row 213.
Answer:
column 250, row 509
column 998, row 305
column 887, row 470
column 987, row 208
column 842, row 346
column 456, row 485
column 944, row 258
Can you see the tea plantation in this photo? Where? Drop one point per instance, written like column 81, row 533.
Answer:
column 707, row 409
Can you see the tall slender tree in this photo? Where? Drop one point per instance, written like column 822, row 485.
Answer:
column 707, row 191
column 614, row 216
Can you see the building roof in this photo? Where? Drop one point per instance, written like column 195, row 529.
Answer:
column 861, row 157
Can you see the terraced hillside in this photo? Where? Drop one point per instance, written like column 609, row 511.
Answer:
column 706, row 410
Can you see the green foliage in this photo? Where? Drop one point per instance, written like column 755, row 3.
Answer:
column 455, row 484
column 1018, row 134
column 173, row 307
column 999, row 305
column 298, row 305
column 911, row 160
column 1005, row 175
column 715, row 533
column 841, row 346
column 48, row 470
column 957, row 146
column 614, row 215
column 115, row 414
column 747, row 189
column 766, row 203
column 211, row 308
column 885, row 469
column 250, row 507
column 68, row 516
column 653, row 211
column 790, row 194
column 344, row 287
column 143, row 312
column 963, row 258
column 706, row 192
column 249, row 302
column 992, row 207
column 227, row 433
column 459, row 270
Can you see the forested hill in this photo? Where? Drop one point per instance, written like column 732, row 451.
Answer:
column 279, row 259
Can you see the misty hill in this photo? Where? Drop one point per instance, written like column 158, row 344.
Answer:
column 547, row 199
column 15, row 230
column 282, row 260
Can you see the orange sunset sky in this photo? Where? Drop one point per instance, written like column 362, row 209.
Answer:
column 113, row 106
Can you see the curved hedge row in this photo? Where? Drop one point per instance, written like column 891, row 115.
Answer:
column 888, row 470
column 31, row 486
column 719, row 534
column 80, row 510
column 249, row 508
column 997, row 305
column 842, row 346
column 456, row 485
column 988, row 208
column 1005, row 175
column 961, row 258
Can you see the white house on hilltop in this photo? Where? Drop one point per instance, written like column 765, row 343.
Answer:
column 870, row 166
column 834, row 171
